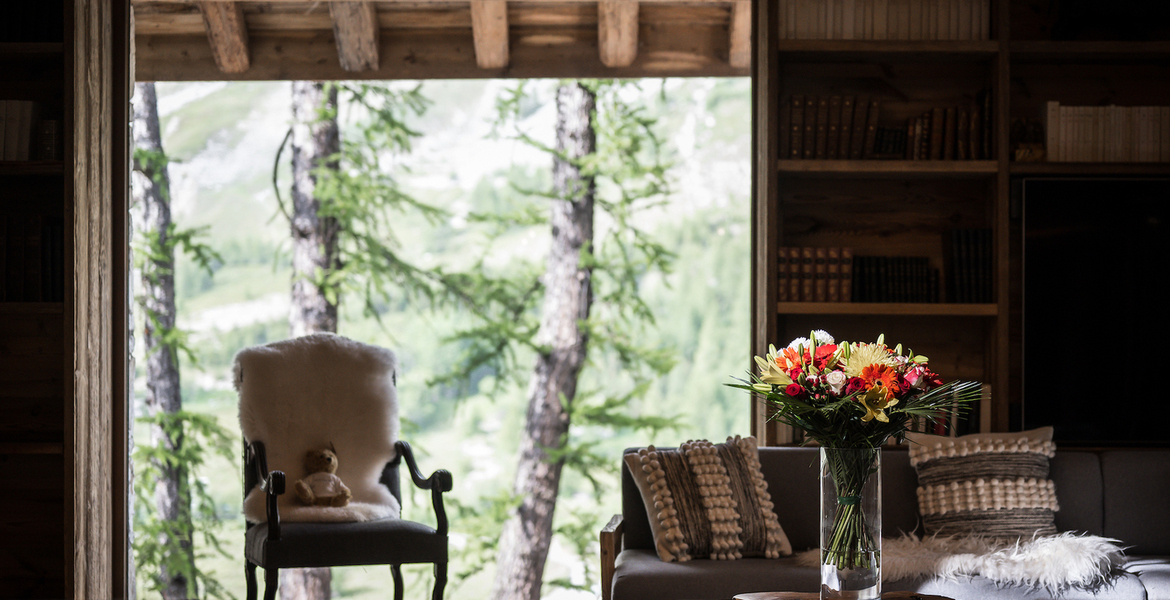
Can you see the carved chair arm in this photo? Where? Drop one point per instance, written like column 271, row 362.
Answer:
column 611, row 545
column 272, row 483
column 440, row 481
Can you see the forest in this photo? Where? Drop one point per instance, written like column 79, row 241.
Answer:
column 475, row 150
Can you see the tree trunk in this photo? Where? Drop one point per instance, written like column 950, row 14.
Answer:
column 315, row 142
column 162, row 370
column 527, row 535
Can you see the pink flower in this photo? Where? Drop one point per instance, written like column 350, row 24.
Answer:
column 836, row 381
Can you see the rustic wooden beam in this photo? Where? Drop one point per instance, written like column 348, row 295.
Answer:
column 355, row 27
column 437, row 3
column 675, row 49
column 617, row 32
column 227, row 34
column 489, row 30
column 739, row 48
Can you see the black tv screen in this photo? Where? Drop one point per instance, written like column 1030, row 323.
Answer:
column 1096, row 307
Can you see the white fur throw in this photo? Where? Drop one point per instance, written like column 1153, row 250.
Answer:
column 1054, row 562
column 307, row 393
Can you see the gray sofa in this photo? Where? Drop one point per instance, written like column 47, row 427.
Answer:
column 1117, row 493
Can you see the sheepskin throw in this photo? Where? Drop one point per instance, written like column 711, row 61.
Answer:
column 708, row 500
column 1055, row 562
column 991, row 484
column 307, row 393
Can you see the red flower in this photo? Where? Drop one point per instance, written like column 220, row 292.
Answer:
column 855, row 384
column 795, row 390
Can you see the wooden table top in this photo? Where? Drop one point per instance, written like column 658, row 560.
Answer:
column 816, row 596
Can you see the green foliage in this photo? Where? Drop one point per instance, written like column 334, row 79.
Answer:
column 157, row 542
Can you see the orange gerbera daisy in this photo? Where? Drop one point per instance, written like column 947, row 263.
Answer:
column 880, row 375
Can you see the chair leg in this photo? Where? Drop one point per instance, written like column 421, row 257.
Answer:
column 250, row 578
column 440, row 581
column 271, row 581
column 396, row 571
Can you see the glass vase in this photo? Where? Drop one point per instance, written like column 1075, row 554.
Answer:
column 851, row 523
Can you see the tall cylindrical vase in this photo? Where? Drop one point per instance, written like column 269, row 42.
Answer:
column 851, row 523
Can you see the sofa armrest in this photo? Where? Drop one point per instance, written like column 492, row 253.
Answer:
column 611, row 546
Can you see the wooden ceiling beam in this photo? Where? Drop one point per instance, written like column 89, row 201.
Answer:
column 617, row 32
column 739, row 48
column 355, row 27
column 489, row 30
column 436, row 3
column 228, row 35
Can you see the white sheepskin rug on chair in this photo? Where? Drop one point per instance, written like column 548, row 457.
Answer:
column 307, row 393
column 1054, row 562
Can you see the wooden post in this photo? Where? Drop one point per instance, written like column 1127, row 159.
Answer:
column 489, row 28
column 617, row 32
column 227, row 34
column 355, row 28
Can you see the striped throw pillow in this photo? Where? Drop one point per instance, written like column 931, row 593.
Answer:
column 990, row 484
column 708, row 500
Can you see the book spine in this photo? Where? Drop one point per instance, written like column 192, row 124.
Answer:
column 845, row 131
column 821, row 271
column 833, row 281
column 782, row 275
column 808, row 275
column 822, row 128
column 871, row 119
column 937, row 133
column 794, row 274
column 796, row 127
column 846, row 277
column 809, row 141
column 857, row 136
column 833, row 129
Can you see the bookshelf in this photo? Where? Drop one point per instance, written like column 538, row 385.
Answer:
column 35, row 335
column 899, row 206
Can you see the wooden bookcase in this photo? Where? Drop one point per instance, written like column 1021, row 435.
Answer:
column 895, row 207
column 35, row 337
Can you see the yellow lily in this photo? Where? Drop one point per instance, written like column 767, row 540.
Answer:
column 875, row 400
column 771, row 373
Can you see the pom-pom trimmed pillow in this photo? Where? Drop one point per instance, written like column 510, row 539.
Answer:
column 989, row 484
column 708, row 500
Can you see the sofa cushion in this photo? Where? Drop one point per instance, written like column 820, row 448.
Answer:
column 707, row 500
column 641, row 575
column 1137, row 495
column 993, row 484
column 1154, row 572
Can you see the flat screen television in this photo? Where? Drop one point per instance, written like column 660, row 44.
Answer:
column 1097, row 309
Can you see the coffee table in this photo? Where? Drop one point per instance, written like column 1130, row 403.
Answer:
column 816, row 596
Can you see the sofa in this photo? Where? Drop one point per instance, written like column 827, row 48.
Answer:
column 1114, row 493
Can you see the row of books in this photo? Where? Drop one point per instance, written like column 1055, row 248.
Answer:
column 885, row 19
column 820, row 274
column 1106, row 133
column 24, row 135
column 834, row 274
column 32, row 254
column 970, row 265
column 846, row 128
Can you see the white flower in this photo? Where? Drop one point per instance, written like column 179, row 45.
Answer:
column 836, row 381
column 823, row 337
column 798, row 342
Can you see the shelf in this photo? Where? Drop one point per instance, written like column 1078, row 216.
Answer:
column 1096, row 52
column 32, row 167
column 875, row 51
column 1090, row 169
column 887, row 308
column 899, row 169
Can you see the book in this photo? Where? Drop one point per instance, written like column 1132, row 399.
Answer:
column 822, row 128
column 795, row 127
column 845, row 132
column 833, row 128
column 871, row 120
column 794, row 274
column 833, row 279
column 820, row 274
column 807, row 275
column 857, row 136
column 846, row 275
column 782, row 275
column 809, row 141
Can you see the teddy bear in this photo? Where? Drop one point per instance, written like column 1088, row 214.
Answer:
column 321, row 486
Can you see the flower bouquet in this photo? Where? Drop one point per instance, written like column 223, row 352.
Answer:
column 850, row 398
